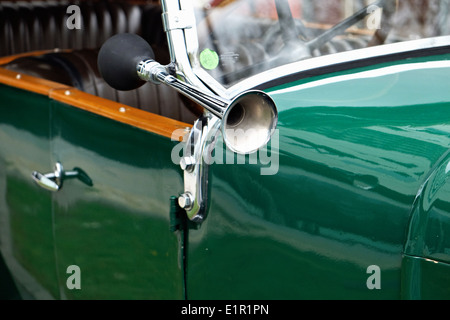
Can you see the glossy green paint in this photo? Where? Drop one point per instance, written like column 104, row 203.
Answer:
column 356, row 176
column 26, row 235
column 8, row 289
column 425, row 279
column 116, row 231
column 430, row 221
column 355, row 148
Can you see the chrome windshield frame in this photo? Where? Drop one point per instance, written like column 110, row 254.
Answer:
column 180, row 27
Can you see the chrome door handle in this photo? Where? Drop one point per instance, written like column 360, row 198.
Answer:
column 44, row 181
column 53, row 181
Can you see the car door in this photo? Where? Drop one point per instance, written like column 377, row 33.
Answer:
column 112, row 235
column 99, row 227
column 26, row 234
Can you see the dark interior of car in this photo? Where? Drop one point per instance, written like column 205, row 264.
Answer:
column 41, row 25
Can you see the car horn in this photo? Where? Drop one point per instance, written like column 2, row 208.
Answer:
column 126, row 61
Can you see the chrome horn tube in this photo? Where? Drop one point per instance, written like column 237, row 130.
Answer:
column 248, row 120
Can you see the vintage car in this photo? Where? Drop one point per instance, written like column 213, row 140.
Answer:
column 225, row 149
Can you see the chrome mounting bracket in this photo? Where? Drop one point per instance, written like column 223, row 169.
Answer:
column 195, row 164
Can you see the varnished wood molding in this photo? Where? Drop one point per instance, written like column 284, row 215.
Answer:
column 119, row 112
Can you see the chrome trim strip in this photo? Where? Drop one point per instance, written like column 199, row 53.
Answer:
column 371, row 73
column 336, row 59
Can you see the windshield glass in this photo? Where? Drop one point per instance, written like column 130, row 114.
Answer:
column 240, row 38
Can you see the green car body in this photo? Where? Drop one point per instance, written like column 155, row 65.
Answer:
column 355, row 203
column 358, row 185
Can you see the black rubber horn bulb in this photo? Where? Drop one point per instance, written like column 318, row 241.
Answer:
column 118, row 58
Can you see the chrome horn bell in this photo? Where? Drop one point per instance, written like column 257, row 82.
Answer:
column 126, row 61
